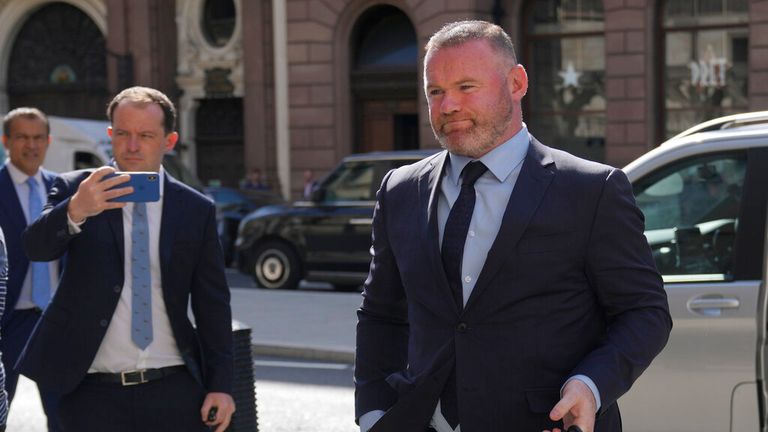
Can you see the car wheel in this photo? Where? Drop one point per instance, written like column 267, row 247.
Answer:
column 276, row 266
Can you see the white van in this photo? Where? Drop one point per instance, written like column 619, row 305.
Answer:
column 77, row 144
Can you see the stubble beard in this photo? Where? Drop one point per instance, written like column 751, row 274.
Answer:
column 482, row 136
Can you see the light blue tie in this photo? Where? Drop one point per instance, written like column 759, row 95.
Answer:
column 141, row 322
column 41, row 278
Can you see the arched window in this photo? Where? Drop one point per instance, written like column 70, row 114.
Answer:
column 58, row 63
column 384, row 78
column 705, row 67
column 565, row 59
column 219, row 21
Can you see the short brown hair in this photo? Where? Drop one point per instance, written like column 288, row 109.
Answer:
column 24, row 112
column 460, row 32
column 145, row 96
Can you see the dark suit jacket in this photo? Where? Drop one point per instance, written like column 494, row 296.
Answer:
column 13, row 222
column 568, row 287
column 64, row 344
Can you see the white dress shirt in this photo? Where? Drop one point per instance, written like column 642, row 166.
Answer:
column 117, row 352
column 19, row 180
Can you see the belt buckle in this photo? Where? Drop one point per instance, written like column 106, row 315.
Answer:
column 125, row 382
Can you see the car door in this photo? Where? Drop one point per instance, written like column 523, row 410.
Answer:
column 340, row 225
column 705, row 222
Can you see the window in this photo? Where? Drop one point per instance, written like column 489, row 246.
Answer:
column 705, row 61
column 351, row 182
column 219, row 21
column 85, row 160
column 565, row 58
column 691, row 215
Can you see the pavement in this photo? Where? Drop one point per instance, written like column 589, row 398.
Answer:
column 312, row 322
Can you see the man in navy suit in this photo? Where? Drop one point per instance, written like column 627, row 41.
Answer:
column 24, row 185
column 511, row 286
column 116, row 340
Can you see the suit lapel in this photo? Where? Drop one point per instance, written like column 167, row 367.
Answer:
column 535, row 177
column 429, row 196
column 115, row 221
column 172, row 214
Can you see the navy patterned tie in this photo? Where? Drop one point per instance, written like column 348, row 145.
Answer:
column 141, row 306
column 41, row 282
column 454, row 237
column 456, row 227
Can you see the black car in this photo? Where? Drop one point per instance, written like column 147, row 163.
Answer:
column 326, row 239
column 231, row 206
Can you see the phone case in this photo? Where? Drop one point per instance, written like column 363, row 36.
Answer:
column 146, row 187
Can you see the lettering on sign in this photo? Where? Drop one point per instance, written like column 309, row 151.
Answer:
column 709, row 73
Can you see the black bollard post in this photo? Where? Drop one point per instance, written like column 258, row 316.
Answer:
column 245, row 417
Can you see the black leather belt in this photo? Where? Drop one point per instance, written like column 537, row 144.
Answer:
column 133, row 377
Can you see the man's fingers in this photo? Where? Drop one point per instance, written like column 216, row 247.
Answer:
column 562, row 408
column 117, row 192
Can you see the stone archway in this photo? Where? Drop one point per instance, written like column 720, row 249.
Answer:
column 57, row 62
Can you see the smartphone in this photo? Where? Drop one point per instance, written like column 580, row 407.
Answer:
column 146, row 187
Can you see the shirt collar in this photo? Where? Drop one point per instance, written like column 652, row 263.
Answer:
column 19, row 177
column 501, row 161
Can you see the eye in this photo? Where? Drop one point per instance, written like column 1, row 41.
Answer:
column 435, row 92
column 466, row 87
column 147, row 136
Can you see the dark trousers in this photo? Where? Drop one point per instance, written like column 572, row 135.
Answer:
column 168, row 404
column 15, row 334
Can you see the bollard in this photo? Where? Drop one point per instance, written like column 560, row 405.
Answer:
column 243, row 391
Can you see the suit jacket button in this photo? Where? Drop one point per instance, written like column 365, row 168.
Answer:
column 462, row 327
column 103, row 323
column 116, row 288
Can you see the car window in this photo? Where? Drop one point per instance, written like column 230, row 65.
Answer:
column 350, row 182
column 84, row 160
column 691, row 213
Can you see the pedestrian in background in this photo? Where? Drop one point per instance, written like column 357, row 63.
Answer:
column 511, row 285
column 310, row 184
column 3, row 282
column 116, row 341
column 24, row 185
column 254, row 181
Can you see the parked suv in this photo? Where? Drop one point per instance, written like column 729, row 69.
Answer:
column 324, row 239
column 703, row 194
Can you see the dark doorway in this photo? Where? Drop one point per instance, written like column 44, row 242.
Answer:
column 384, row 81
column 58, row 64
column 219, row 139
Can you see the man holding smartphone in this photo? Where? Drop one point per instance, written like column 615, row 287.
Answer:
column 127, row 356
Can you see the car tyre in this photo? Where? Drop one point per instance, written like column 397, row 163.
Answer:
column 276, row 266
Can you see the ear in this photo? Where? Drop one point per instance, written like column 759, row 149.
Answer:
column 517, row 82
column 170, row 141
column 109, row 131
column 5, row 141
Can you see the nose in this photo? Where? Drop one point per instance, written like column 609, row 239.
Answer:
column 450, row 103
column 133, row 143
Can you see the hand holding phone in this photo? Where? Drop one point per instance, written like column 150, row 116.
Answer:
column 146, row 187
column 214, row 410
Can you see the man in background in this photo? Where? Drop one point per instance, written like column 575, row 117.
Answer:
column 24, row 185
